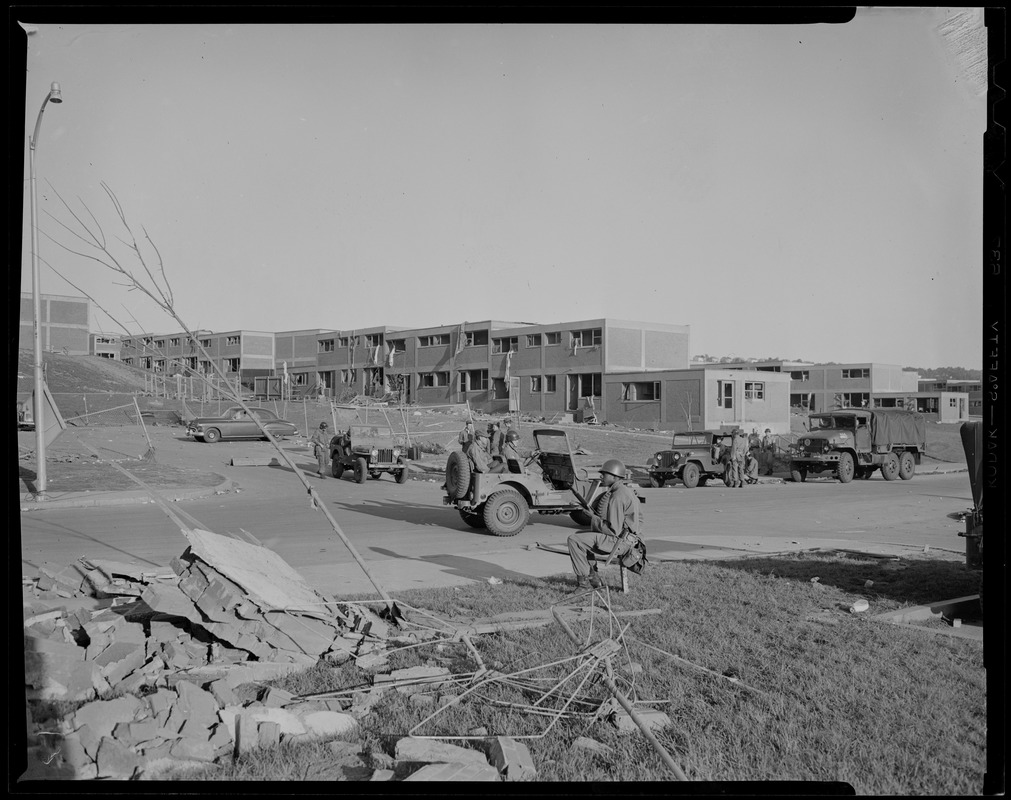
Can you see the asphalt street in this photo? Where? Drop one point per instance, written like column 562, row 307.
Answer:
column 411, row 540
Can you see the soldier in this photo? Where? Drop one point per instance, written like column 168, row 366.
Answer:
column 510, row 452
column 617, row 513
column 477, row 452
column 768, row 451
column 466, row 435
column 751, row 466
column 320, row 442
column 738, row 450
column 497, row 437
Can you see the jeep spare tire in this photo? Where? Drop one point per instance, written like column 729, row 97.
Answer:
column 457, row 475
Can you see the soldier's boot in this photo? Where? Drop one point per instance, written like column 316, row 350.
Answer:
column 582, row 584
column 594, row 580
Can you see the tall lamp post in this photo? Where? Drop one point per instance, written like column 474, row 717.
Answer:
column 40, row 441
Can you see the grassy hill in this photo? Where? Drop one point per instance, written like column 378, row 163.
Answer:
column 79, row 374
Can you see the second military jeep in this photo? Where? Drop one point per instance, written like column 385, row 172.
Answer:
column 502, row 501
column 369, row 450
column 692, row 459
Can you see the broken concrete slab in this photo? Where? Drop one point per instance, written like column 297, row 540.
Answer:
column 592, row 746
column 102, row 716
column 116, row 760
column 193, row 749
column 429, row 751
column 169, row 599
column 263, row 574
column 289, row 722
column 328, row 723
column 512, row 759
column 382, row 775
column 455, row 773
column 310, row 635
column 197, row 707
column 654, row 720
column 268, row 734
column 275, row 697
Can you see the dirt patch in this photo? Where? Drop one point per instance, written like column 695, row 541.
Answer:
column 71, row 474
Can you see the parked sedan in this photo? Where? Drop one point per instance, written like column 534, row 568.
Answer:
column 236, row 424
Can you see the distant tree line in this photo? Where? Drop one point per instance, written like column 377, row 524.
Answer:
column 948, row 373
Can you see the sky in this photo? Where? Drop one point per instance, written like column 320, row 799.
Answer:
column 788, row 191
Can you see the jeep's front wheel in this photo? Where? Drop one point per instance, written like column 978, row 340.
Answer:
column 457, row 475
column 361, row 470
column 656, row 481
column 845, row 469
column 890, row 467
column 336, row 467
column 403, row 475
column 798, row 474
column 690, row 476
column 474, row 519
column 506, row 513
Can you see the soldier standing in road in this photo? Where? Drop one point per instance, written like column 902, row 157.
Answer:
column 320, row 442
column 617, row 512
column 768, row 451
column 738, row 450
column 497, row 437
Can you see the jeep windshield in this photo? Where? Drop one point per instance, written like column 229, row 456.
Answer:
column 370, row 432
column 553, row 442
column 691, row 440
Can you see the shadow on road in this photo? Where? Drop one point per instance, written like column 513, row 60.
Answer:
column 471, row 568
column 915, row 582
column 410, row 513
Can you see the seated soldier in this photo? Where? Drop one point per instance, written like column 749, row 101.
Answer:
column 477, row 452
column 511, row 453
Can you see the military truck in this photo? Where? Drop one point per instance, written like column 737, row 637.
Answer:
column 853, row 443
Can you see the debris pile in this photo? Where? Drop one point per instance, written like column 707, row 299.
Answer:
column 178, row 645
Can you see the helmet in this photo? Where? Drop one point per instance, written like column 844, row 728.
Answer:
column 512, row 436
column 322, row 425
column 768, row 430
column 614, row 467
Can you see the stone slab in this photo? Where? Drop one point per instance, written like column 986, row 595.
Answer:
column 512, row 759
column 454, row 773
column 431, row 751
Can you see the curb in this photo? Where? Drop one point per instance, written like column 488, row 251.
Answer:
column 138, row 497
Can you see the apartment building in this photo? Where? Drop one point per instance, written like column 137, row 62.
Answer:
column 242, row 355
column 104, row 345
column 974, row 388
column 64, row 324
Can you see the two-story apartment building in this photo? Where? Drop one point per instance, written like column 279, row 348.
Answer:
column 241, row 355
column 104, row 345
column 64, row 324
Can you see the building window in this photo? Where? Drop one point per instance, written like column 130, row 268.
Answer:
column 856, row 373
column 853, row 399
column 344, row 341
column 586, row 338
column 505, row 345
column 373, row 339
column 231, row 365
column 754, row 391
column 326, row 345
column 205, row 342
column 533, row 340
column 231, row 340
column 159, row 365
column 435, row 340
column 128, row 361
column 300, row 378
column 800, row 375
column 427, row 380
column 953, row 402
column 398, row 345
column 640, row 392
column 175, row 342
column 587, row 385
column 476, row 339
column 553, row 337
column 550, row 383
column 725, row 394
column 349, row 376
column 160, row 344
column 146, row 362
column 148, row 340
column 474, row 380
column 535, row 384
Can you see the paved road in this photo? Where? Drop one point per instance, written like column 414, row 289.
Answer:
column 411, row 540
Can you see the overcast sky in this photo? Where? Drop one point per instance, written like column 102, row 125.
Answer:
column 790, row 191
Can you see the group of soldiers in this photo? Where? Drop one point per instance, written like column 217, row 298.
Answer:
column 746, row 457
column 493, row 450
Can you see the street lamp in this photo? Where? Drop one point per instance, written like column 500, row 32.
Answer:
column 40, row 442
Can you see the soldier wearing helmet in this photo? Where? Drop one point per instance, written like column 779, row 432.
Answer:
column 477, row 452
column 617, row 512
column 320, row 443
column 511, row 453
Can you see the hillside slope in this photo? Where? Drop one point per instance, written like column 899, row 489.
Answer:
column 79, row 374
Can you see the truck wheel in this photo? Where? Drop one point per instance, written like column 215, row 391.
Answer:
column 361, row 470
column 506, row 513
column 890, row 467
column 403, row 475
column 474, row 519
column 581, row 518
column 690, row 476
column 845, row 470
column 656, row 481
column 907, row 466
column 798, row 474
column 336, row 467
column 211, row 435
column 457, row 475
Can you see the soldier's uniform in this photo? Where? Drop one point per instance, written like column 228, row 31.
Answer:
column 768, row 451
column 320, row 442
column 619, row 507
column 738, row 450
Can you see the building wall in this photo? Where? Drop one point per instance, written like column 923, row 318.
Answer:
column 64, row 324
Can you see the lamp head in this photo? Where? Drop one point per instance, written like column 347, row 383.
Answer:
column 54, row 93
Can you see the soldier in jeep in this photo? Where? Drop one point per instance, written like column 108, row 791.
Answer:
column 477, row 453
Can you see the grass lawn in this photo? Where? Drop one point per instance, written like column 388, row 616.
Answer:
column 840, row 697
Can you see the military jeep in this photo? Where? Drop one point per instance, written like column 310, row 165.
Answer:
column 502, row 501
column 369, row 450
column 689, row 459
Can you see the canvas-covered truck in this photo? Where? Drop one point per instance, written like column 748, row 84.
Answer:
column 853, row 443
